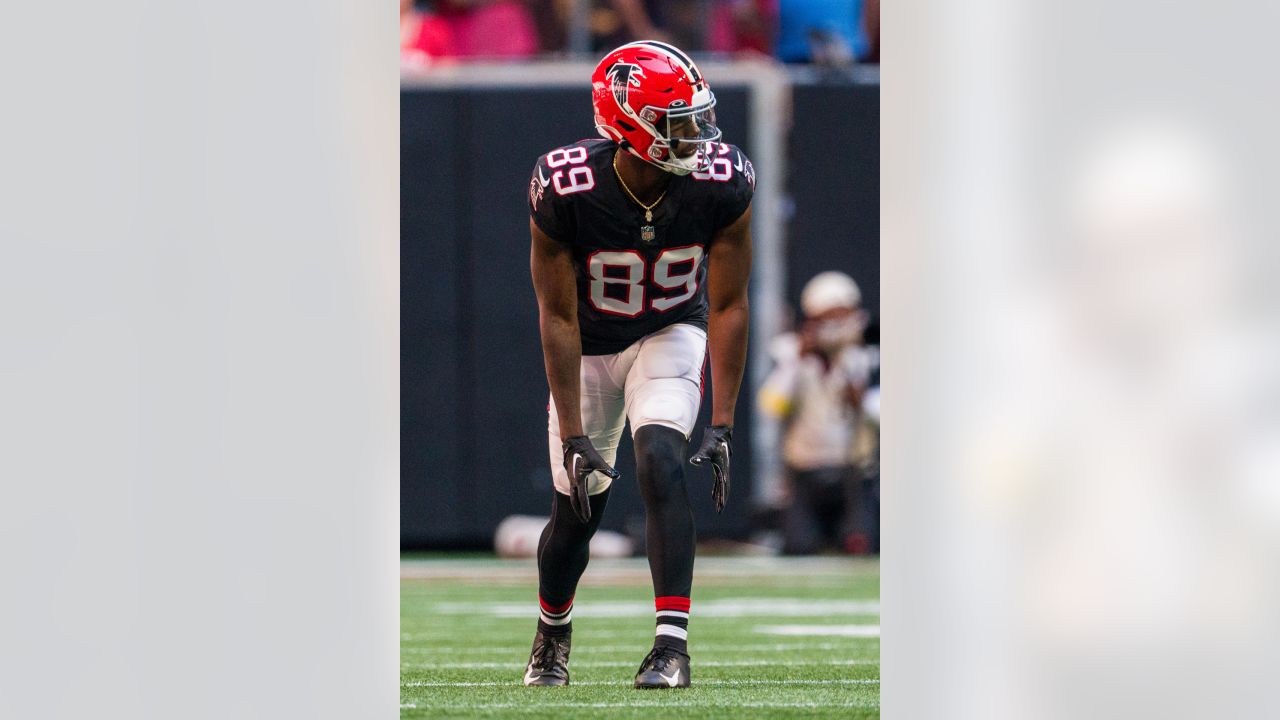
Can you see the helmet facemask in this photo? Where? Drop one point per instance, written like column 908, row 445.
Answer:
column 684, row 137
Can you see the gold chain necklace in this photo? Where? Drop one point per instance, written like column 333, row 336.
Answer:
column 648, row 209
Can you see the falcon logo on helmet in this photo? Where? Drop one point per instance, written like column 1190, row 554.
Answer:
column 623, row 76
column 650, row 98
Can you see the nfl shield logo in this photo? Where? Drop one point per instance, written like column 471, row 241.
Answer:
column 647, row 234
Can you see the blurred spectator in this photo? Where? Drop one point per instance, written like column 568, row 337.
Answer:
column 617, row 22
column 817, row 390
column 489, row 28
column 550, row 21
column 523, row 28
column 827, row 32
column 739, row 26
column 424, row 38
column 687, row 24
column 725, row 26
column 871, row 25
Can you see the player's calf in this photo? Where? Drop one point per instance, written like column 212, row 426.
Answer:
column 563, row 552
column 669, row 533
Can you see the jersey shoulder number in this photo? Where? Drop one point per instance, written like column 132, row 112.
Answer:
column 558, row 176
column 728, row 163
column 730, row 182
column 564, row 170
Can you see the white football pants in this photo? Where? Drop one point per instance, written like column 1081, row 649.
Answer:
column 656, row 381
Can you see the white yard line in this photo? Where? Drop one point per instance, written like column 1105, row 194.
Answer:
column 729, row 607
column 810, row 570
column 627, row 683
column 632, row 639
column 700, row 647
column 624, row 663
column 858, row 631
column 683, row 702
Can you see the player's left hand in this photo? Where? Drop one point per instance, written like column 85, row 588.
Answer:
column 715, row 448
column 580, row 460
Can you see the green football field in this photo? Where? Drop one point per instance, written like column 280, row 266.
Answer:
column 768, row 637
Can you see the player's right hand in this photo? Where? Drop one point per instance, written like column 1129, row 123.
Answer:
column 580, row 460
column 716, row 440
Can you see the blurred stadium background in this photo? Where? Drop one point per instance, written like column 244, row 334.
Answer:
column 486, row 88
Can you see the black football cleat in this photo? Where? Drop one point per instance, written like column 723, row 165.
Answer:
column 664, row 667
column 549, row 661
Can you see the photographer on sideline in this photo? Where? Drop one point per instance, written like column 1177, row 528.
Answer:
column 817, row 391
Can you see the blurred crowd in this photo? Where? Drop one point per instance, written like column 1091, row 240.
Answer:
column 825, row 32
column 824, row 390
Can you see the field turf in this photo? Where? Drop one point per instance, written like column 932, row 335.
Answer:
column 768, row 637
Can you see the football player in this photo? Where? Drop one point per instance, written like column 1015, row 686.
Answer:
column 640, row 259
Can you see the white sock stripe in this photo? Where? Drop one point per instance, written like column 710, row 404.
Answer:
column 557, row 619
column 673, row 631
column 673, row 613
column 559, row 614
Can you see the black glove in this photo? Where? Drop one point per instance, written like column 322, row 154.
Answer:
column 580, row 460
column 715, row 447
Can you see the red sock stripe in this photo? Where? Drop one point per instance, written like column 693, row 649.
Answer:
column 555, row 609
column 672, row 602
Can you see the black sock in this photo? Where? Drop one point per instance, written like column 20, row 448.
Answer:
column 669, row 531
column 673, row 622
column 562, row 558
column 553, row 620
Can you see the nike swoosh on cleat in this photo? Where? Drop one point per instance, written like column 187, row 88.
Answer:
column 673, row 680
column 530, row 677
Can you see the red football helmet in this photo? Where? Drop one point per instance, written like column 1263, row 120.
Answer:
column 650, row 98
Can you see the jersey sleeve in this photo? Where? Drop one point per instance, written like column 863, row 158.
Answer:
column 549, row 210
column 739, row 189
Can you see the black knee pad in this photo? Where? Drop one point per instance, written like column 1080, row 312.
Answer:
column 660, row 452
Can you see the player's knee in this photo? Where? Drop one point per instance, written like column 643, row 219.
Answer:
column 670, row 409
column 660, row 461
column 566, row 522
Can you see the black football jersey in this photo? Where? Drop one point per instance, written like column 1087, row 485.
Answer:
column 636, row 277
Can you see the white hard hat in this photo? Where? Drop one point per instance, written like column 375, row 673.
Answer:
column 831, row 289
